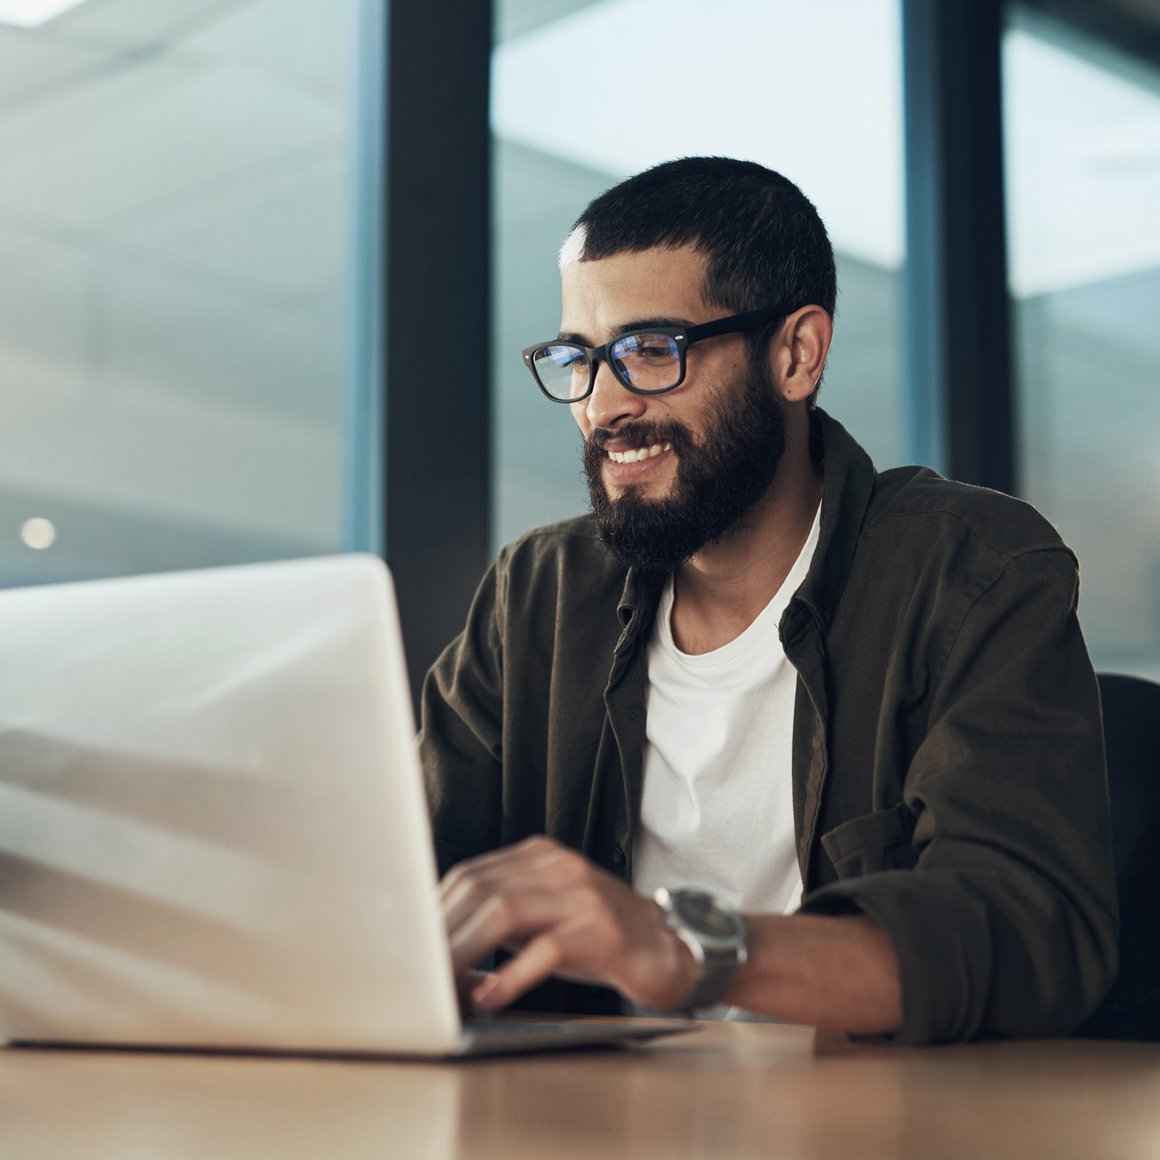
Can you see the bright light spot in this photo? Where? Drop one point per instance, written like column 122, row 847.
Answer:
column 38, row 533
column 31, row 13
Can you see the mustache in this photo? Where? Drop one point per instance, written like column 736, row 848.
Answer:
column 642, row 433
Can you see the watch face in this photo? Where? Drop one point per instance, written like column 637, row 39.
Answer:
column 703, row 914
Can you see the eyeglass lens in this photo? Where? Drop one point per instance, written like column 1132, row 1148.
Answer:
column 648, row 362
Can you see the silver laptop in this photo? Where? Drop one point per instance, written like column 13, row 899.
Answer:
column 213, row 832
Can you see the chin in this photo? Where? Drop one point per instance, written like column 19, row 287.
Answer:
column 649, row 489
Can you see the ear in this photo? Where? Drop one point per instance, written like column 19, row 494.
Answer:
column 798, row 352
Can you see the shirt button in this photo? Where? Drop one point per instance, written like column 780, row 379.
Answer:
column 618, row 858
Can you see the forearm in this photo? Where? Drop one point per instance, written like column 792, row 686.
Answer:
column 835, row 973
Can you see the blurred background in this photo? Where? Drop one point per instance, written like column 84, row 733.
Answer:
column 226, row 324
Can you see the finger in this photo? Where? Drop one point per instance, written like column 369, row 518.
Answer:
column 548, row 871
column 466, row 983
column 477, row 934
column 535, row 963
column 533, row 855
column 517, row 890
column 513, row 916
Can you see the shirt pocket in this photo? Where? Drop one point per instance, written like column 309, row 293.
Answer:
column 882, row 840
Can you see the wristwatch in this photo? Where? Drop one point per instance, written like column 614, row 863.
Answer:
column 715, row 935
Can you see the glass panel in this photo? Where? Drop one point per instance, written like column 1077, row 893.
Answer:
column 650, row 362
column 1083, row 131
column 174, row 221
column 657, row 79
column 564, row 371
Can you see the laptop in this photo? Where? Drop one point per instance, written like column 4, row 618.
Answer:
column 213, row 831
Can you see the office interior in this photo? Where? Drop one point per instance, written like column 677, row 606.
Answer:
column 266, row 266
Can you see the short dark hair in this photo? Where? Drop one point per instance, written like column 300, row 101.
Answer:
column 762, row 236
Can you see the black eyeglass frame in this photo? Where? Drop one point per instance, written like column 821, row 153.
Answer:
column 683, row 336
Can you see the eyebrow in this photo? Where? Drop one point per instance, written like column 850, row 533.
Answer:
column 634, row 326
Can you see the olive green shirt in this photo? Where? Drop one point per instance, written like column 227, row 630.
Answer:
column 948, row 766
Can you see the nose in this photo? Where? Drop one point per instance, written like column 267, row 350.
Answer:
column 611, row 404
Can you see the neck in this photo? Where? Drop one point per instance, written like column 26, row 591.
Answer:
column 720, row 591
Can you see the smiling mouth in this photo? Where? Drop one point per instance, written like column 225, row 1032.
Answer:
column 639, row 453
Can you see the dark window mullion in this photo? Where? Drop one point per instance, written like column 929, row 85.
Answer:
column 437, row 318
column 960, row 376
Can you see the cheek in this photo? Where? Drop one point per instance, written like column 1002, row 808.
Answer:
column 580, row 414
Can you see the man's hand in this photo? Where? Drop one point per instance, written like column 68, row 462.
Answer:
column 562, row 916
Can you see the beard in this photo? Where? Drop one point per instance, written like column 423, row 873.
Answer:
column 718, row 481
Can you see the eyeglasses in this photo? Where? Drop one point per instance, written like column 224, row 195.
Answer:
column 646, row 362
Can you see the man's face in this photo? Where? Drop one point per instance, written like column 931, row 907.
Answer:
column 714, row 444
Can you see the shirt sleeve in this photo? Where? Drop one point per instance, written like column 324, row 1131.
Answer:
column 461, row 733
column 1007, row 924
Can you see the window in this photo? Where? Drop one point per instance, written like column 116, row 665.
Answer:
column 1083, row 165
column 174, row 236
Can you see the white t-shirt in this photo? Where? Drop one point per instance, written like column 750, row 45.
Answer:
column 717, row 806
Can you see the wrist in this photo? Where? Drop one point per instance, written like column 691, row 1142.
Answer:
column 715, row 940
column 681, row 975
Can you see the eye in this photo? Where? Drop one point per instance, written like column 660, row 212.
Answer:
column 655, row 351
column 563, row 357
column 649, row 347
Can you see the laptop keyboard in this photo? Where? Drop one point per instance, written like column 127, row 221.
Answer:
column 514, row 1027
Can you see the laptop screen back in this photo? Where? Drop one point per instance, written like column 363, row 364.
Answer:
column 212, row 827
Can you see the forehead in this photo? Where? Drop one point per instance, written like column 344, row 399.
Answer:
column 602, row 295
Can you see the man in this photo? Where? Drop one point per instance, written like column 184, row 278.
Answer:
column 853, row 710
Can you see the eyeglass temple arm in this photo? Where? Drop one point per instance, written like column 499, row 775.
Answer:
column 735, row 323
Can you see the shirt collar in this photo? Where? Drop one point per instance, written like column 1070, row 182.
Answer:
column 847, row 485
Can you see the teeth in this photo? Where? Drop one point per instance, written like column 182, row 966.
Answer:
column 639, row 453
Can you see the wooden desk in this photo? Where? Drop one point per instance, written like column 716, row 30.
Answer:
column 736, row 1090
